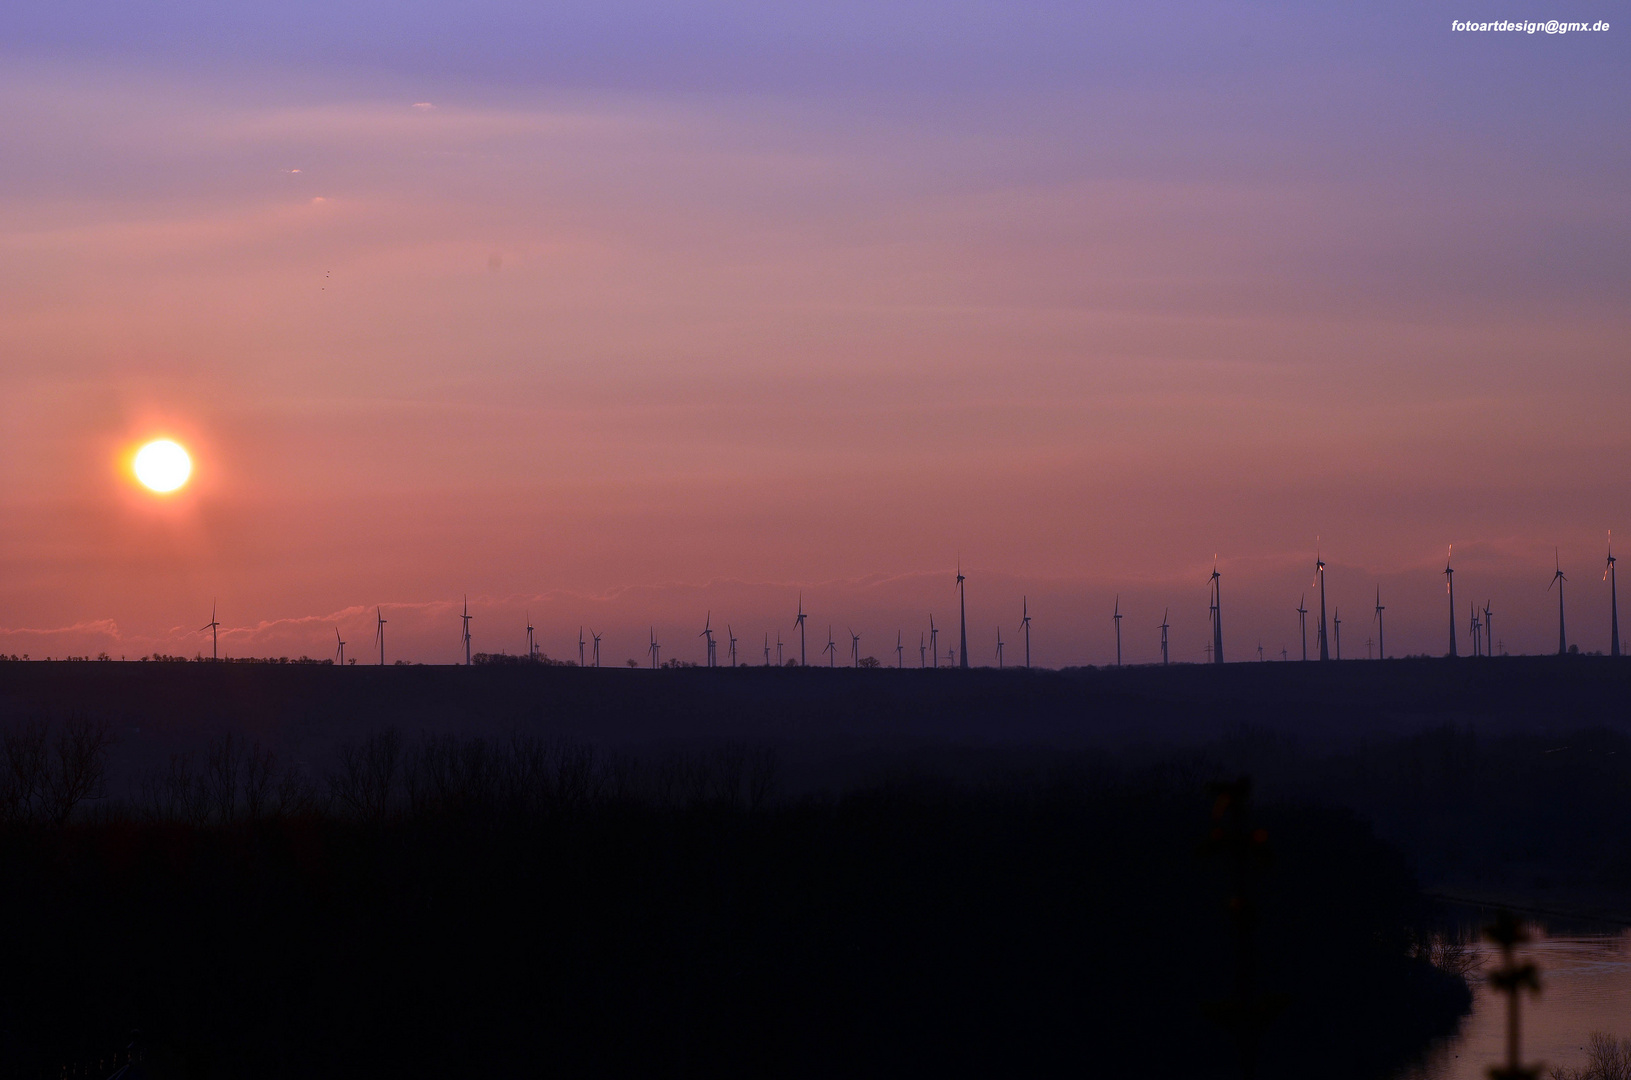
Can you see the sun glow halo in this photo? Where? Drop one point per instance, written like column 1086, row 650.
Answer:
column 163, row 465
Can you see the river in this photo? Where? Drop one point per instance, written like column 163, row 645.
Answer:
column 1585, row 987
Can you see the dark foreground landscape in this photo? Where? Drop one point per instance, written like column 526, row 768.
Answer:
column 283, row 869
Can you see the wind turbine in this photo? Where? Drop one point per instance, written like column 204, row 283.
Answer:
column 1217, row 613
column 1449, row 583
column 799, row 622
column 379, row 633
column 767, row 648
column 854, row 649
column 1336, row 622
column 595, row 639
column 999, row 648
column 732, row 636
column 1164, row 629
column 1259, row 650
column 1319, row 573
column 934, row 640
column 466, row 618
column 708, row 632
column 1613, row 600
column 652, row 648
column 922, row 649
column 1025, row 624
column 1302, row 622
column 900, row 652
column 1117, row 617
column 580, row 642
column 962, row 604
column 1489, row 633
column 532, row 641
column 340, row 652
column 214, row 626
column 778, row 648
column 1558, row 579
column 1381, row 639
column 1474, row 627
column 831, row 650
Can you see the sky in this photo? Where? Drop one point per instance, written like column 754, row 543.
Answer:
column 630, row 315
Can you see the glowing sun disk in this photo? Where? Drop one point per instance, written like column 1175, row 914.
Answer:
column 163, row 465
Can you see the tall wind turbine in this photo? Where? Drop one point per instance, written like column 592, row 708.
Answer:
column 900, row 652
column 731, row 634
column 708, row 632
column 379, row 633
column 962, row 604
column 214, row 627
column 1025, row 624
column 832, row 649
column 1489, row 632
column 581, row 642
column 652, row 648
column 1558, row 579
column 934, row 640
column 767, row 648
column 854, row 649
column 466, row 618
column 595, row 640
column 1449, row 583
column 1381, row 641
column 1319, row 573
column 922, row 660
column 1164, row 628
column 532, row 641
column 1117, row 617
column 999, row 648
column 340, row 652
column 1217, row 613
column 1336, row 622
column 1302, row 622
column 778, row 648
column 799, row 622
column 1474, row 627
column 1613, row 600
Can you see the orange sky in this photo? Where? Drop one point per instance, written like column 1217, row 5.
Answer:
column 622, row 355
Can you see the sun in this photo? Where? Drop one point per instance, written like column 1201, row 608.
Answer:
column 163, row 465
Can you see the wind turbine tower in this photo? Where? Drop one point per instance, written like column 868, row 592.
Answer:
column 595, row 639
column 1164, row 629
column 1489, row 632
column 1613, row 601
column 466, row 618
column 1217, row 613
column 799, row 622
column 1319, row 572
column 854, row 649
column 900, row 652
column 767, row 648
column 652, row 648
column 1302, row 622
column 1336, row 621
column 1381, row 641
column 379, row 633
column 934, row 640
column 999, row 648
column 922, row 649
column 962, row 604
column 708, row 632
column 1449, row 584
column 214, row 627
column 340, row 652
column 832, row 649
column 1117, row 617
column 1025, row 624
column 1558, row 579
column 731, row 634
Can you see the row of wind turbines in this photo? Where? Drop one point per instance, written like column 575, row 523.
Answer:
column 1480, row 625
